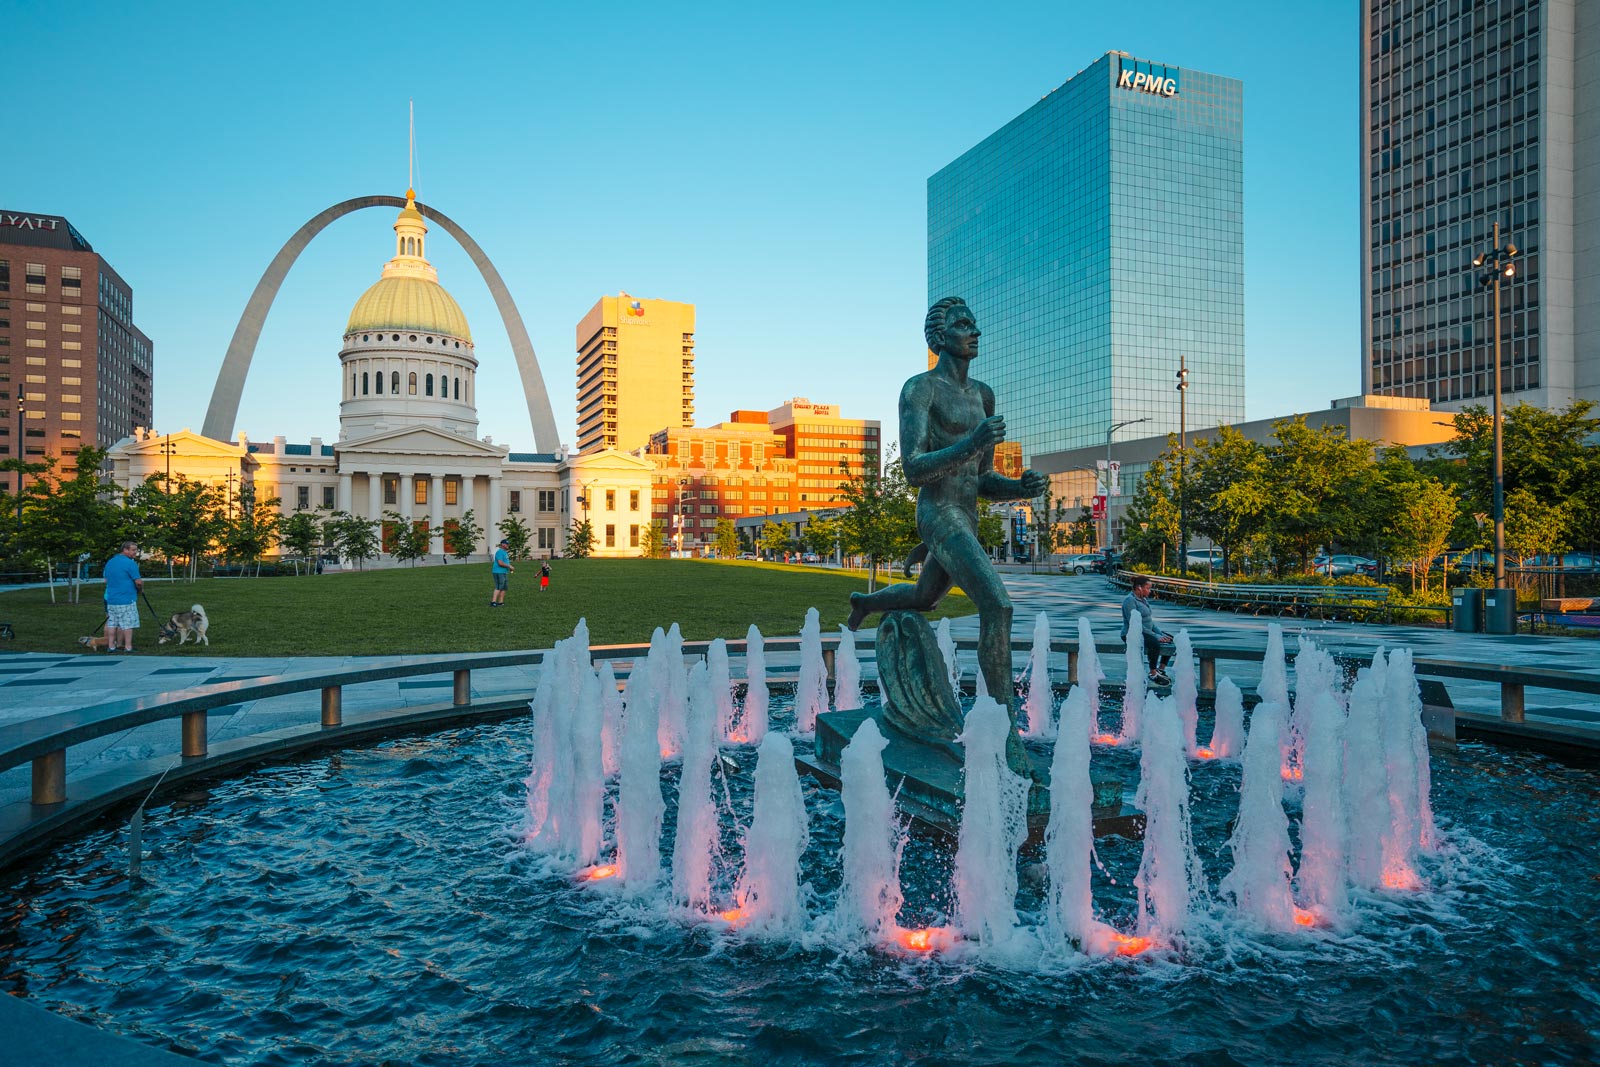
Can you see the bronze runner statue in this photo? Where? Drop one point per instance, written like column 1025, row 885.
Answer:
column 948, row 430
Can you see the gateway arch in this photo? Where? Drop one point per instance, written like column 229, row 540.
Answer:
column 224, row 408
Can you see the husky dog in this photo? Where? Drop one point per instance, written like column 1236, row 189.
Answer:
column 184, row 623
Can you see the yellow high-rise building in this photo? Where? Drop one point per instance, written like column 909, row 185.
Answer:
column 635, row 371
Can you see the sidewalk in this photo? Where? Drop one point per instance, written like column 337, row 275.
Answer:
column 35, row 684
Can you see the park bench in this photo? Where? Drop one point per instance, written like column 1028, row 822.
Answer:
column 1577, row 612
column 1362, row 603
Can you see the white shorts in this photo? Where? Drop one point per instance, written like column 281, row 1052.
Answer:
column 123, row 616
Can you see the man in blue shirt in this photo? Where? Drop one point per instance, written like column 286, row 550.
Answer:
column 501, row 570
column 123, row 586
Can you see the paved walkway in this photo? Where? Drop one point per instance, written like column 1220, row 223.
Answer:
column 33, row 684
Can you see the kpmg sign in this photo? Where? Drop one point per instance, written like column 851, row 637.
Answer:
column 1148, row 77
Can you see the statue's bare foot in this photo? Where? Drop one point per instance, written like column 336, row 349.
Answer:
column 858, row 611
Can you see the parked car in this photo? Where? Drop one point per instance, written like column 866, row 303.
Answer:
column 748, row 555
column 810, row 557
column 1343, row 566
column 1082, row 563
column 1203, row 558
column 1108, row 561
column 1567, row 561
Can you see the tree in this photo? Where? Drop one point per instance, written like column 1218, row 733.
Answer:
column 1080, row 531
column 1419, row 524
column 251, row 533
column 409, row 539
column 1548, row 453
column 653, row 540
column 301, row 533
column 1229, row 494
column 1533, row 526
column 991, row 527
column 774, row 538
column 67, row 517
column 1150, row 530
column 353, row 537
column 727, row 539
column 1048, row 513
column 822, row 534
column 197, row 520
column 517, row 537
column 1320, row 488
column 462, row 537
column 881, row 522
column 580, row 540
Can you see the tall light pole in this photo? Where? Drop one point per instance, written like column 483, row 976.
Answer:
column 22, row 415
column 1183, row 460
column 682, row 484
column 1106, row 542
column 1496, row 264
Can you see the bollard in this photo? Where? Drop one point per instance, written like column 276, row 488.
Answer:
column 332, row 705
column 463, row 691
column 1072, row 666
column 1208, row 672
column 50, row 777
column 194, row 733
column 1511, row 701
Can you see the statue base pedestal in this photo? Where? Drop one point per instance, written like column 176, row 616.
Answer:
column 928, row 780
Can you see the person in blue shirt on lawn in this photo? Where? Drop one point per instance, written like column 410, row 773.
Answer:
column 501, row 570
column 123, row 585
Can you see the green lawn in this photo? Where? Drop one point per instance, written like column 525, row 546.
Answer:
column 446, row 608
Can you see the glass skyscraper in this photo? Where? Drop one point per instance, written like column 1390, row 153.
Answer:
column 1475, row 112
column 1098, row 237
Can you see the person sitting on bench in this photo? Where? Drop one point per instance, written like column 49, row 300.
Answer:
column 1157, row 643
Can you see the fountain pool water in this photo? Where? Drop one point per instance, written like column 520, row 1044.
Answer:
column 379, row 904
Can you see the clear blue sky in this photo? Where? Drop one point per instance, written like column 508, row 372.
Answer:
column 767, row 163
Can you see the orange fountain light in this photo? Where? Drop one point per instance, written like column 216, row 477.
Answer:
column 1401, row 878
column 1106, row 739
column 1129, row 945
column 1302, row 917
column 1293, row 774
column 733, row 916
column 1204, row 752
column 595, row 874
column 925, row 939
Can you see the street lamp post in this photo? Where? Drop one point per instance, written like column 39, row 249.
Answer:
column 1496, row 264
column 22, row 415
column 1183, row 460
column 1105, row 543
column 678, row 534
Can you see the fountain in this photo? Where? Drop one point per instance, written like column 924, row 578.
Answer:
column 610, row 720
column 1134, row 689
column 640, row 807
column 1366, row 780
column 947, row 651
column 1169, row 877
column 1090, row 672
column 1323, row 831
column 768, row 894
column 1040, row 700
column 994, row 825
column 721, row 682
column 695, row 851
column 869, row 894
column 1186, row 690
column 1259, row 881
column 1069, row 836
column 672, row 684
column 811, row 698
column 752, row 728
column 847, row 673
column 1227, row 729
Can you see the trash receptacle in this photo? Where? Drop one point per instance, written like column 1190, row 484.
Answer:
column 1499, row 611
column 1466, row 610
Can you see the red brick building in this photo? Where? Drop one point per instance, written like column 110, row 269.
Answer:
column 69, row 350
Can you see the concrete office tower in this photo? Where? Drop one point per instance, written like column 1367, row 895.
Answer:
column 1098, row 237
column 635, row 371
column 68, row 347
column 1473, row 114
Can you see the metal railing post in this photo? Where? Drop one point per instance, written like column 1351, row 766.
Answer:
column 463, row 687
column 1511, row 701
column 50, row 777
column 828, row 655
column 194, row 733
column 1208, row 672
column 332, row 705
